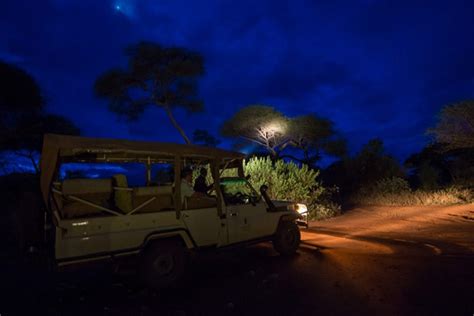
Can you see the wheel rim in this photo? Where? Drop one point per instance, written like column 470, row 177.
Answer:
column 163, row 264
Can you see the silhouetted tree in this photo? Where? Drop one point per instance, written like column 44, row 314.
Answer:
column 368, row 166
column 259, row 124
column 165, row 77
column 314, row 135
column 429, row 168
column 453, row 167
column 455, row 126
column 203, row 137
column 271, row 130
column 461, row 166
column 20, row 98
column 22, row 119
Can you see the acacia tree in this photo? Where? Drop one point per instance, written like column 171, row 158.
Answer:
column 455, row 126
column 261, row 125
column 314, row 135
column 23, row 121
column 165, row 77
column 270, row 129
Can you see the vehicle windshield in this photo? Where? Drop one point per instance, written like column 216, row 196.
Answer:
column 238, row 191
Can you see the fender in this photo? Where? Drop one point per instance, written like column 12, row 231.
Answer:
column 290, row 217
column 182, row 234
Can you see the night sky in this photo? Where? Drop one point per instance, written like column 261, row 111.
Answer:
column 376, row 68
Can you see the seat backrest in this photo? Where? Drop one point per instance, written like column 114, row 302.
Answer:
column 86, row 186
column 153, row 190
column 123, row 196
column 163, row 198
column 96, row 191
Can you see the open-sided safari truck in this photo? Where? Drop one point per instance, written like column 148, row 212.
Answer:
column 106, row 218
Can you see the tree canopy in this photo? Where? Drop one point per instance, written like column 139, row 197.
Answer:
column 271, row 130
column 23, row 121
column 161, row 76
column 455, row 126
column 314, row 135
column 258, row 124
column 19, row 91
column 368, row 166
column 452, row 167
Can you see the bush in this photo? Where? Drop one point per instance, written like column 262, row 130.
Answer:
column 396, row 191
column 288, row 181
column 450, row 195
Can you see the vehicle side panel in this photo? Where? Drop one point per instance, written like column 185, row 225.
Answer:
column 251, row 222
column 87, row 236
column 205, row 227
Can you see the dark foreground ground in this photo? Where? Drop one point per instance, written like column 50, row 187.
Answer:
column 376, row 261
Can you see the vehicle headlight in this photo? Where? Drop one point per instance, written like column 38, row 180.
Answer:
column 298, row 207
column 301, row 208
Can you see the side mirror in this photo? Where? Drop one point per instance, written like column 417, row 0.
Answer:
column 263, row 191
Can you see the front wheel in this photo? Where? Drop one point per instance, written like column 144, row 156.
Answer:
column 164, row 264
column 287, row 239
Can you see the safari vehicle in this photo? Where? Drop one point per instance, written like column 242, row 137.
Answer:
column 95, row 218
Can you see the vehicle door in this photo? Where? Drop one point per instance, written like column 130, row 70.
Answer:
column 246, row 222
column 245, row 211
column 204, row 224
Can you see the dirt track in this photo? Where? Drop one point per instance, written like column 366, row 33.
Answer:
column 371, row 261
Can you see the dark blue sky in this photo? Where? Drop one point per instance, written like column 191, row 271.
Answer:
column 376, row 68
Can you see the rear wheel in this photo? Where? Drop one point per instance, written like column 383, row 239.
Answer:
column 287, row 238
column 164, row 264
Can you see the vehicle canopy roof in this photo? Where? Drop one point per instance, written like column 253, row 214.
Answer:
column 62, row 148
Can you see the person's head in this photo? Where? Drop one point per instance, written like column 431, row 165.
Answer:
column 187, row 174
column 203, row 172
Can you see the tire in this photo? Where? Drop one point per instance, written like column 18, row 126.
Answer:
column 287, row 239
column 164, row 264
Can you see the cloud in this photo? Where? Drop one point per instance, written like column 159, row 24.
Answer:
column 376, row 68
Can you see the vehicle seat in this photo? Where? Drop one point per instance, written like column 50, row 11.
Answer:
column 163, row 198
column 122, row 193
column 96, row 191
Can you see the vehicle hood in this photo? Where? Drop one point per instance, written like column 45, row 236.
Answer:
column 279, row 203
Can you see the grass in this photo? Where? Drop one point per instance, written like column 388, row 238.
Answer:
column 448, row 196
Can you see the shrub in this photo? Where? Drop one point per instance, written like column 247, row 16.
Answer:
column 396, row 191
column 291, row 182
column 288, row 181
column 450, row 195
column 383, row 192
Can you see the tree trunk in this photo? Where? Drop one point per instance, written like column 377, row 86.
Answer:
column 176, row 125
column 30, row 156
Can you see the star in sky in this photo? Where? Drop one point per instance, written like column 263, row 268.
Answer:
column 127, row 8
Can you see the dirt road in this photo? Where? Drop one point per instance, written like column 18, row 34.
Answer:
column 371, row 261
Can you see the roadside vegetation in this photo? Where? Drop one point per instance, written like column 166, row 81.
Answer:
column 397, row 192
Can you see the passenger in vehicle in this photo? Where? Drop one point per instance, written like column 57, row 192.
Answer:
column 186, row 185
column 200, row 185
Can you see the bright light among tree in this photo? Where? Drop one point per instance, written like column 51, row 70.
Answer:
column 274, row 128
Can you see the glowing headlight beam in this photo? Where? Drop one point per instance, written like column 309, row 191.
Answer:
column 301, row 208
